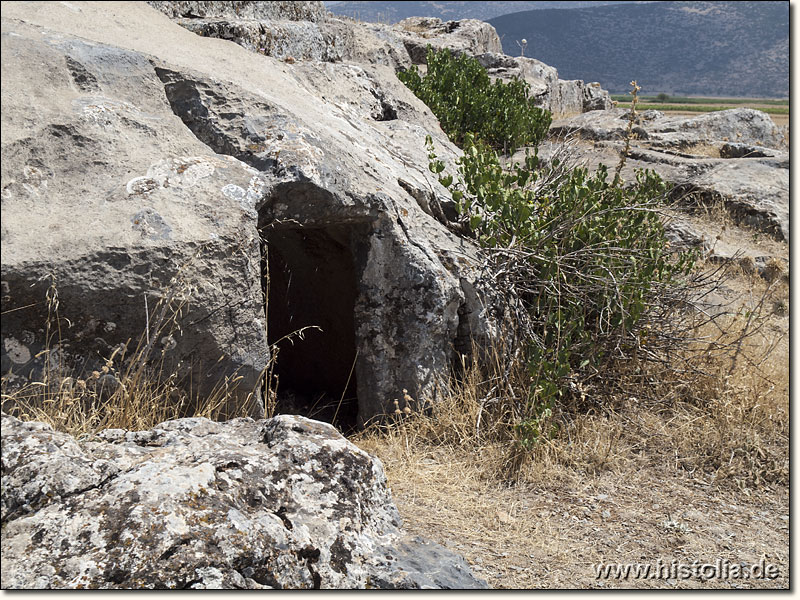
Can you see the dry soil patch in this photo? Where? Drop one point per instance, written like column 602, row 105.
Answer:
column 555, row 536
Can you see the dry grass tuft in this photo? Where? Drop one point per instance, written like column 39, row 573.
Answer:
column 133, row 390
column 703, row 149
column 415, row 28
column 718, row 412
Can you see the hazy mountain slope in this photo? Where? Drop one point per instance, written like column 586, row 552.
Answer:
column 704, row 48
column 392, row 12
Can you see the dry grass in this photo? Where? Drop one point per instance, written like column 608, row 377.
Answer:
column 718, row 407
column 416, row 29
column 636, row 485
column 703, row 149
column 133, row 390
column 549, row 535
column 665, row 467
column 726, row 420
column 82, row 406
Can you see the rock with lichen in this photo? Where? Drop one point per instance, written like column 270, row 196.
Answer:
column 194, row 504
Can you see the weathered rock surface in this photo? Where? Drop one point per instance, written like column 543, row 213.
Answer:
column 481, row 41
column 569, row 98
column 595, row 97
column 755, row 191
column 304, row 31
column 750, row 176
column 104, row 191
column 737, row 125
column 159, row 153
column 468, row 36
column 338, row 40
column 681, row 233
column 738, row 150
column 242, row 9
column 287, row 30
column 287, row 40
column 554, row 94
column 548, row 91
column 282, row 503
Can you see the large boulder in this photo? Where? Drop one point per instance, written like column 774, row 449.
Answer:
column 468, row 36
column 108, row 199
column 193, row 504
column 562, row 98
column 177, row 167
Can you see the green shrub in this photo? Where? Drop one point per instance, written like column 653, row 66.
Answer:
column 577, row 265
column 461, row 95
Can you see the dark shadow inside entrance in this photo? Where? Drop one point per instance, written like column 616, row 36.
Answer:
column 312, row 287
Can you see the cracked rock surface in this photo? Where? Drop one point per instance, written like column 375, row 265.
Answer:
column 281, row 503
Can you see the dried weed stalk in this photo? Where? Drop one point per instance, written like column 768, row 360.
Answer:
column 135, row 389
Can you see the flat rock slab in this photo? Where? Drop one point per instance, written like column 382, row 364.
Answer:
column 736, row 125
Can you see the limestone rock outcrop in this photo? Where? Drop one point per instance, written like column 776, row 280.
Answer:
column 328, row 38
column 180, row 167
column 468, row 36
column 289, row 31
column 242, row 9
column 548, row 91
column 194, row 504
column 736, row 157
column 654, row 128
column 107, row 197
column 595, row 97
column 480, row 40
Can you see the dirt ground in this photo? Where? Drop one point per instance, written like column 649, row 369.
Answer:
column 554, row 537
column 640, row 498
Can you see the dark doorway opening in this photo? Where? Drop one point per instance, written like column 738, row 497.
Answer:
column 310, row 304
